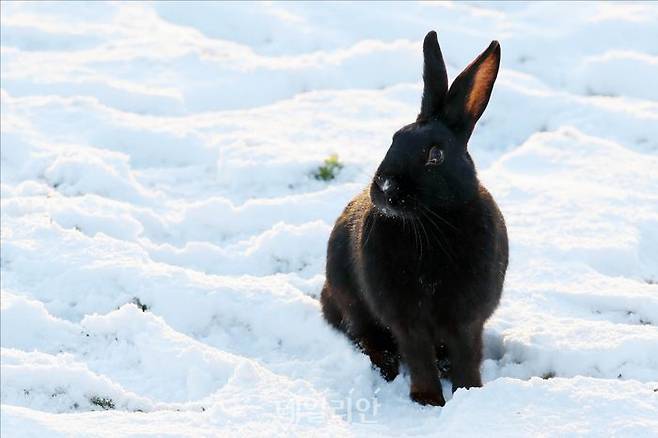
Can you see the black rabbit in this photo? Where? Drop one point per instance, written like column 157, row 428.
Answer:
column 416, row 262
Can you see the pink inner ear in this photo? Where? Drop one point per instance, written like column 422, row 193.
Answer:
column 484, row 77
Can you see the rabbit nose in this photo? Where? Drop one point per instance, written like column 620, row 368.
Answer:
column 385, row 184
column 390, row 189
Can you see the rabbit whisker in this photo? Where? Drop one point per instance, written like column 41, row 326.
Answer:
column 372, row 226
column 438, row 239
column 436, row 215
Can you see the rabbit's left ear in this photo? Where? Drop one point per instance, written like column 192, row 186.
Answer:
column 435, row 79
column 470, row 92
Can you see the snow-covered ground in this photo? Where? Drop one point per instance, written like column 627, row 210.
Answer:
column 163, row 238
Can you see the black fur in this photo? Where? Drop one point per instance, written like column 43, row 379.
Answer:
column 416, row 262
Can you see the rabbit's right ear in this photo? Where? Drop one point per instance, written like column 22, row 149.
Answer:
column 470, row 91
column 435, row 79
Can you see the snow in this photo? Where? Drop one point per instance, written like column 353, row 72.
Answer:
column 163, row 239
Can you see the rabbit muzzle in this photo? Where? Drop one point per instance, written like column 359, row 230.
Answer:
column 386, row 195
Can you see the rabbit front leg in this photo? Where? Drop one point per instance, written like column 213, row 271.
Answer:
column 465, row 352
column 376, row 342
column 417, row 350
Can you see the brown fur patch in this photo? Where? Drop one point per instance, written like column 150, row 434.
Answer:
column 484, row 77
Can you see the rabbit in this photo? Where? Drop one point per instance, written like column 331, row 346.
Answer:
column 416, row 262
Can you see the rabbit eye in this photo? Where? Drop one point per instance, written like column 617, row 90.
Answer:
column 435, row 157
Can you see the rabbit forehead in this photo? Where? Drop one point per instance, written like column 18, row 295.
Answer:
column 424, row 134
